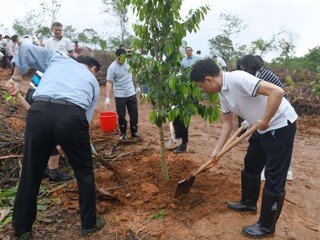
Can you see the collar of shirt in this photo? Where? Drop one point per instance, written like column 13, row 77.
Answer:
column 224, row 82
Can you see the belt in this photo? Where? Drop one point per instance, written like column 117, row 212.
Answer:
column 56, row 101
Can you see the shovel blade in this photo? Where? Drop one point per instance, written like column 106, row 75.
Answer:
column 184, row 186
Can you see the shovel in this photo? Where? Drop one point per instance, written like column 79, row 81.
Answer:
column 185, row 185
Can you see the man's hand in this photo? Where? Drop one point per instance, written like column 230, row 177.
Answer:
column 107, row 101
column 138, row 90
column 13, row 87
column 214, row 156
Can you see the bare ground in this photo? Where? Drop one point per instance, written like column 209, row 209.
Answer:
column 201, row 214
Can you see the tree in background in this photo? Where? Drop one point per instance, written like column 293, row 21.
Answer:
column 280, row 42
column 222, row 45
column 28, row 25
column 49, row 12
column 159, row 36
column 117, row 9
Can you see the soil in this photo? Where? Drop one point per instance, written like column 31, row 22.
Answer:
column 146, row 207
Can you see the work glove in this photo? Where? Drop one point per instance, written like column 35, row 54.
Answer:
column 107, row 101
column 138, row 90
column 245, row 124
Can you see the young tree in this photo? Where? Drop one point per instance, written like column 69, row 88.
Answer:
column 160, row 33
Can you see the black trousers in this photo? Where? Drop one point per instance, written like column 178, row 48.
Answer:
column 49, row 124
column 273, row 150
column 30, row 100
column 181, row 131
column 4, row 61
column 130, row 103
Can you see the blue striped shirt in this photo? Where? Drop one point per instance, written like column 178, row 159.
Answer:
column 63, row 78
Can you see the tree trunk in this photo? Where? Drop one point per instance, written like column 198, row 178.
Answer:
column 164, row 165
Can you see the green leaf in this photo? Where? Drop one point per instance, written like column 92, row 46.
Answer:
column 153, row 117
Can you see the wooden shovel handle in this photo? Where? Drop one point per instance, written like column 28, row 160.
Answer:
column 227, row 148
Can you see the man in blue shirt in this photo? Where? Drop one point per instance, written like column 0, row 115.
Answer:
column 64, row 105
column 181, row 131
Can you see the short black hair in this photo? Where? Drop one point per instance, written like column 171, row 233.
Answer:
column 204, row 68
column 56, row 24
column 89, row 61
column 120, row 51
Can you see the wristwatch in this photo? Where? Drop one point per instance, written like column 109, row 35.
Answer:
column 16, row 79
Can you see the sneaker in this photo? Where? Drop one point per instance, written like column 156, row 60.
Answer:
column 136, row 135
column 122, row 137
column 182, row 148
column 99, row 224
column 25, row 236
column 60, row 177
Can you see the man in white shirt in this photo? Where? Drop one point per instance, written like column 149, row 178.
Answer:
column 59, row 42
column 262, row 103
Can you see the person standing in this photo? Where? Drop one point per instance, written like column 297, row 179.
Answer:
column 63, row 108
column 12, row 48
column 262, row 103
column 3, row 50
column 63, row 44
column 220, row 62
column 182, row 131
column 58, row 42
column 120, row 78
column 255, row 66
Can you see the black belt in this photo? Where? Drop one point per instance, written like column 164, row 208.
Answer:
column 57, row 101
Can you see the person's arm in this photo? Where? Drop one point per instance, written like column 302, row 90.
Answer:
column 224, row 134
column 28, row 56
column 13, row 84
column 274, row 97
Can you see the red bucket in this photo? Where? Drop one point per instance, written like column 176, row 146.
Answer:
column 108, row 121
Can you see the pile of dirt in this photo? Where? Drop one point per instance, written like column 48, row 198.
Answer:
column 146, row 208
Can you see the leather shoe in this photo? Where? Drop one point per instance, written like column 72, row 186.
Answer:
column 99, row 224
column 182, row 148
column 137, row 135
column 60, row 177
column 238, row 206
column 25, row 236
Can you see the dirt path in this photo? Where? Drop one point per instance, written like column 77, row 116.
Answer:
column 202, row 214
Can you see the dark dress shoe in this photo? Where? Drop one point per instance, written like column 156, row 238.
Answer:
column 137, row 135
column 182, row 148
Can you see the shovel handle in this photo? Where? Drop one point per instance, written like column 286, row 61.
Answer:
column 227, row 148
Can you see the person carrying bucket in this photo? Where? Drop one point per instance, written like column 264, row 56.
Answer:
column 119, row 76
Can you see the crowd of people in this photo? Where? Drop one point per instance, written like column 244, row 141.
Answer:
column 63, row 95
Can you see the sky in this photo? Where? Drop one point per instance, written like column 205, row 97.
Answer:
column 262, row 17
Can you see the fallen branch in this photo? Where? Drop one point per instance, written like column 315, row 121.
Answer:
column 10, row 156
column 311, row 228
